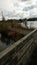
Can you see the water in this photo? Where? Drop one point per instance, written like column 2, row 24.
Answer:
column 4, row 43
column 31, row 24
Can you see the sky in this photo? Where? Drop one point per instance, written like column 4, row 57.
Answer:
column 16, row 9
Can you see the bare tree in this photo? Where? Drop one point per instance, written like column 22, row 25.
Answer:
column 26, row 23
column 3, row 18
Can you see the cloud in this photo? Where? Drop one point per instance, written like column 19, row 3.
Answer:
column 19, row 8
column 30, row 7
column 33, row 13
column 23, row 0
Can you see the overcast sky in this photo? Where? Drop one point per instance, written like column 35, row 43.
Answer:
column 18, row 8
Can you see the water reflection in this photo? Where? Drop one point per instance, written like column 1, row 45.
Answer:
column 5, row 41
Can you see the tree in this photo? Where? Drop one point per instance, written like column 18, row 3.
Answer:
column 26, row 23
column 3, row 18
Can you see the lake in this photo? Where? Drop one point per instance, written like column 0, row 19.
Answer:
column 30, row 24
